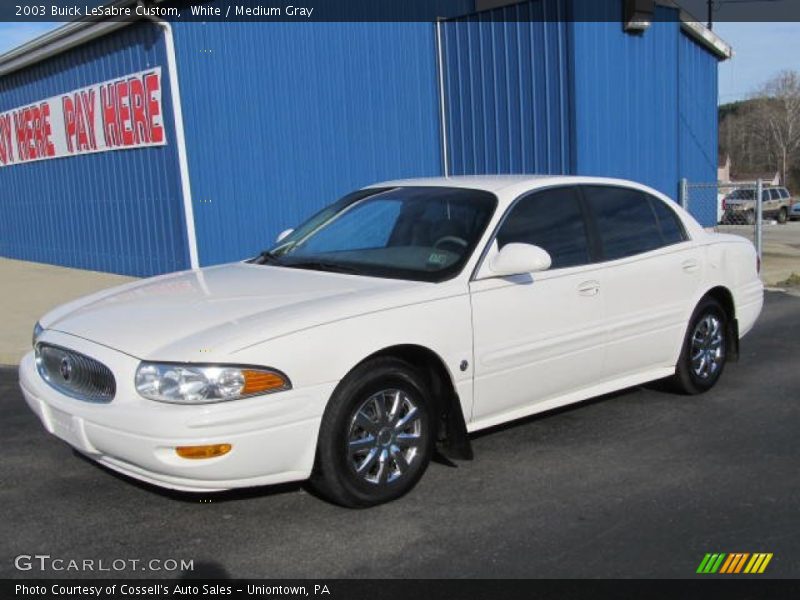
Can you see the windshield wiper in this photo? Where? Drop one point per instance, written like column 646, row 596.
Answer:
column 267, row 258
column 321, row 265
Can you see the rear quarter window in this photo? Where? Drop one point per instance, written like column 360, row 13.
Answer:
column 672, row 229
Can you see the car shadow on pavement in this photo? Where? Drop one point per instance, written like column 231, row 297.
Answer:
column 660, row 386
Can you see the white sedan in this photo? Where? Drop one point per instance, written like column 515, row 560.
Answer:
column 405, row 315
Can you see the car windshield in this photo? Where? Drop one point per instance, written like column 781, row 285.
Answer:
column 418, row 233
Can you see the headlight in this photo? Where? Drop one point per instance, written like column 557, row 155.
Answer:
column 37, row 331
column 205, row 384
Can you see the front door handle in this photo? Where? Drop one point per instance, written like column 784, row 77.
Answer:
column 589, row 288
column 690, row 265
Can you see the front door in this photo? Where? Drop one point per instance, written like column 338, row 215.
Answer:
column 540, row 335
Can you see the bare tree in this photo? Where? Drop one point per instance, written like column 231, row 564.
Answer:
column 743, row 137
column 776, row 112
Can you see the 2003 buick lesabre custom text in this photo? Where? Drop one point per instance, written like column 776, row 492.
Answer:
column 404, row 315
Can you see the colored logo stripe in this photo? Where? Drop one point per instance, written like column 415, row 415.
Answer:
column 710, row 563
column 758, row 563
column 734, row 563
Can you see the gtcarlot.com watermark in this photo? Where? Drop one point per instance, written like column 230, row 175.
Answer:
column 48, row 563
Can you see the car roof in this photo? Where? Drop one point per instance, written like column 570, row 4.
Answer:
column 489, row 183
column 511, row 183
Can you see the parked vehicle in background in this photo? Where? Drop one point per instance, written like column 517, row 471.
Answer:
column 794, row 211
column 721, row 195
column 739, row 208
column 403, row 316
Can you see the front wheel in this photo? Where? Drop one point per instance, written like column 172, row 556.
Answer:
column 783, row 215
column 704, row 351
column 376, row 437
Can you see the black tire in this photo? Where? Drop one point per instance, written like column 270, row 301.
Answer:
column 783, row 216
column 395, row 469
column 687, row 379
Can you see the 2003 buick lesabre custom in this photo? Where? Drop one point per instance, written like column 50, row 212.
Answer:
column 404, row 315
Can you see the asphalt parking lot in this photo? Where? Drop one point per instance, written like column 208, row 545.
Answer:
column 641, row 483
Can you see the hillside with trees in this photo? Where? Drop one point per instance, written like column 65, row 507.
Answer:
column 762, row 134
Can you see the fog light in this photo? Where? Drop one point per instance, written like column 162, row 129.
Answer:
column 209, row 451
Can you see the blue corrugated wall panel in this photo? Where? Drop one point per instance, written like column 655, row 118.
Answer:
column 118, row 211
column 283, row 118
column 626, row 97
column 507, row 90
column 698, row 124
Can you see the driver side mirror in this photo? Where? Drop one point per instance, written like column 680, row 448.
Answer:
column 517, row 259
column 283, row 234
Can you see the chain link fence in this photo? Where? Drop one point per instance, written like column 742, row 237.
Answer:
column 773, row 224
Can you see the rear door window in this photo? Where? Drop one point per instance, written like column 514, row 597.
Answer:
column 626, row 221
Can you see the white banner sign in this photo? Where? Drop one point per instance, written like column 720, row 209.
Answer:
column 114, row 115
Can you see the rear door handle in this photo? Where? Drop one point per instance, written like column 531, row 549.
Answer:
column 690, row 266
column 589, row 288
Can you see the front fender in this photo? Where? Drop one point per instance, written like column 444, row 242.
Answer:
column 326, row 353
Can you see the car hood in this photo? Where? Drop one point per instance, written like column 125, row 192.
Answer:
column 225, row 308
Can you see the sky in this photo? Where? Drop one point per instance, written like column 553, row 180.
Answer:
column 761, row 51
column 15, row 34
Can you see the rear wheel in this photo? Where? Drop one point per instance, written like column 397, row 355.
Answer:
column 749, row 217
column 704, row 351
column 783, row 215
column 376, row 437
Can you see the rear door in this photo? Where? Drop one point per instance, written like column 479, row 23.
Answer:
column 650, row 274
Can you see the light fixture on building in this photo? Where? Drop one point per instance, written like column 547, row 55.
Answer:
column 638, row 15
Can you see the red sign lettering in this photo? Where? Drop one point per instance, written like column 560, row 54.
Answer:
column 152, row 85
column 68, row 107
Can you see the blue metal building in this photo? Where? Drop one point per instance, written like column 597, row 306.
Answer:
column 253, row 146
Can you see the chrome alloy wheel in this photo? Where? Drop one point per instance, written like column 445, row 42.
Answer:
column 707, row 347
column 385, row 437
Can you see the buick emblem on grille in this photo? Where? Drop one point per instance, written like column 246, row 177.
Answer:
column 75, row 374
column 66, row 368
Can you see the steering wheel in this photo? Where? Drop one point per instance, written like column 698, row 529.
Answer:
column 450, row 239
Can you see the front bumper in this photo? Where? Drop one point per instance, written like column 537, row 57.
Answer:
column 273, row 437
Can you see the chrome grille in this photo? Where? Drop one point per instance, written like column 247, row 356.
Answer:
column 75, row 374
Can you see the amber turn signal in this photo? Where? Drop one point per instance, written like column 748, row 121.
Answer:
column 209, row 451
column 258, row 382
